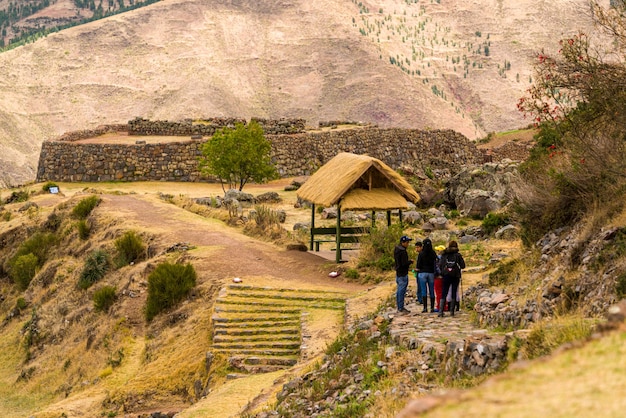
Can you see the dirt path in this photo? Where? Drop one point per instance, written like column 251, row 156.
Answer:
column 223, row 252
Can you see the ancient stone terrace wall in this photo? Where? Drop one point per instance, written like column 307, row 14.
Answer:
column 207, row 127
column 293, row 155
column 302, row 154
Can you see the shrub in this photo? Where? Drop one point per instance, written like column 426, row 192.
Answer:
column 168, row 284
column 46, row 187
column 104, row 298
column 377, row 248
column 39, row 245
column 24, row 269
column 96, row 266
column 83, row 229
column 85, row 206
column 53, row 222
column 352, row 274
column 129, row 249
column 21, row 304
column 18, row 196
column 6, row 216
column 493, row 221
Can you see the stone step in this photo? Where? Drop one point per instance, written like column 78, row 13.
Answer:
column 253, row 303
column 258, row 369
column 230, row 308
column 286, row 297
column 269, row 361
column 270, row 290
column 269, row 352
column 278, row 331
column 226, row 324
column 228, row 344
column 290, row 338
column 254, row 319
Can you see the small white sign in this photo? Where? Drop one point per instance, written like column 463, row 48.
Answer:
column 54, row 190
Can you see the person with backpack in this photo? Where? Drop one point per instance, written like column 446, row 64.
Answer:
column 426, row 267
column 418, row 250
column 402, row 264
column 451, row 264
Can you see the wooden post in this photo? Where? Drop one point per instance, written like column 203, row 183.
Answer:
column 312, row 225
column 338, row 236
column 373, row 219
column 400, row 215
column 388, row 218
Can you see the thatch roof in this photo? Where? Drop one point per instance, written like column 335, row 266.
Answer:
column 358, row 182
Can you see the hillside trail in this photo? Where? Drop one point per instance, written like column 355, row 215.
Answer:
column 221, row 253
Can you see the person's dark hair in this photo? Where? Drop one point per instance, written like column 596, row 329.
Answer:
column 453, row 244
column 427, row 249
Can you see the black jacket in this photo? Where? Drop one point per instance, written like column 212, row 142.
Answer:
column 426, row 261
column 447, row 253
column 401, row 257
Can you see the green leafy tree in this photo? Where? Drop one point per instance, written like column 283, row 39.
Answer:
column 238, row 156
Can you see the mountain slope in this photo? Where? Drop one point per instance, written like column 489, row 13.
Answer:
column 404, row 64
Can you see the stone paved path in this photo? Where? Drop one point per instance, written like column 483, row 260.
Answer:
column 451, row 342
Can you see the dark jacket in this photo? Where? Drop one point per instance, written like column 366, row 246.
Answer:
column 449, row 253
column 402, row 260
column 426, row 261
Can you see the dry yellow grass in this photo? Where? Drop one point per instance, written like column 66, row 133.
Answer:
column 587, row 381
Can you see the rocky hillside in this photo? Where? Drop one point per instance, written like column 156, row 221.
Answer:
column 420, row 64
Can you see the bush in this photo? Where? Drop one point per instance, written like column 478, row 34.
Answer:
column 83, row 229
column 168, row 284
column 39, row 245
column 377, row 248
column 96, row 266
column 129, row 249
column 21, row 304
column 24, row 269
column 6, row 216
column 265, row 218
column 493, row 221
column 104, row 298
column 85, row 206
column 18, row 196
column 352, row 274
column 46, row 187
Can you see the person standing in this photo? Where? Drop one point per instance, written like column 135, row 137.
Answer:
column 418, row 250
column 426, row 267
column 402, row 264
column 451, row 264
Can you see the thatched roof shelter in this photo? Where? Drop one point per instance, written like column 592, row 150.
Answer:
column 354, row 181
column 357, row 182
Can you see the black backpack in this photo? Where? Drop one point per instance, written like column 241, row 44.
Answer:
column 451, row 266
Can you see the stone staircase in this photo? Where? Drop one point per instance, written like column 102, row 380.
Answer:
column 259, row 329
